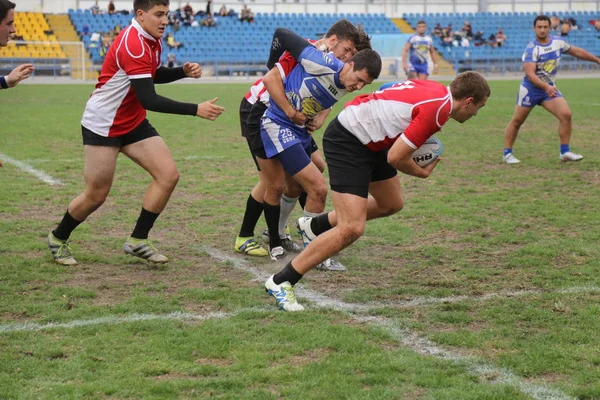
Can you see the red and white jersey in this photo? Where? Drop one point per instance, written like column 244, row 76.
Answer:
column 411, row 110
column 285, row 64
column 113, row 108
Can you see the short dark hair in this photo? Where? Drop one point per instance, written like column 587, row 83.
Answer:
column 5, row 5
column 421, row 22
column 541, row 18
column 470, row 84
column 145, row 5
column 368, row 59
column 364, row 40
column 344, row 30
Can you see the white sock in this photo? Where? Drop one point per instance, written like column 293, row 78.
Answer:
column 287, row 205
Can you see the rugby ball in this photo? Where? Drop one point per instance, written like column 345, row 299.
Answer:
column 428, row 152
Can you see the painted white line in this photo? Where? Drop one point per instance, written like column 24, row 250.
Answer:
column 410, row 339
column 29, row 169
column 120, row 159
column 112, row 320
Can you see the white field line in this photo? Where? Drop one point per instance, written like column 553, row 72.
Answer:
column 411, row 340
column 41, row 175
column 120, row 159
column 113, row 320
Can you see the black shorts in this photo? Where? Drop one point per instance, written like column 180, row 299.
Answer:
column 141, row 132
column 351, row 165
column 245, row 107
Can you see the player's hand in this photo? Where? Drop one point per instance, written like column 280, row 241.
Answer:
column 551, row 91
column 405, row 68
column 18, row 74
column 209, row 110
column 429, row 167
column 435, row 68
column 315, row 123
column 192, row 70
column 298, row 118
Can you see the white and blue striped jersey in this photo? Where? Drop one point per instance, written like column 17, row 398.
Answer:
column 546, row 58
column 312, row 86
column 420, row 47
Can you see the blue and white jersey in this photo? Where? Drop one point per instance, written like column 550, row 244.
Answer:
column 546, row 58
column 313, row 85
column 420, row 47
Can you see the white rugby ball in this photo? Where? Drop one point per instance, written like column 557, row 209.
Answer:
column 428, row 152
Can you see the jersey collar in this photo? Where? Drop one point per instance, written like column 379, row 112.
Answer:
column 141, row 30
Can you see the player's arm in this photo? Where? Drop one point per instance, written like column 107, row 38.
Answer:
column 582, row 54
column 316, row 122
column 273, row 82
column 400, row 157
column 404, row 55
column 284, row 39
column 150, row 100
column 16, row 75
column 168, row 75
column 434, row 58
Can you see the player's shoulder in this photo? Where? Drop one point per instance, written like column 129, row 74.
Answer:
column 132, row 43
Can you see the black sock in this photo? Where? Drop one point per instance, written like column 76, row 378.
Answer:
column 144, row 223
column 66, row 226
column 302, row 199
column 253, row 211
column 272, row 217
column 320, row 224
column 287, row 274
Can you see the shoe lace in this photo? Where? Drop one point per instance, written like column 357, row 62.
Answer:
column 289, row 294
column 64, row 251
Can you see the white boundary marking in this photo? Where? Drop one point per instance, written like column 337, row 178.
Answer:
column 29, row 169
column 175, row 316
column 119, row 159
column 410, row 339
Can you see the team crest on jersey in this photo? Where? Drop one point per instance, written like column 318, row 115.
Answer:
column 549, row 66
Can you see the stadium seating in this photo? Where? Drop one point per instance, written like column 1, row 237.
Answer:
column 232, row 45
column 518, row 28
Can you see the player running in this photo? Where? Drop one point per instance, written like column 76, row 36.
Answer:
column 421, row 50
column 540, row 62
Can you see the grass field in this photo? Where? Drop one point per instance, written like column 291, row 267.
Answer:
column 486, row 286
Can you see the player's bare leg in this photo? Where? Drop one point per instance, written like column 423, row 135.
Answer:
column 560, row 109
column 422, row 77
column 98, row 172
column 154, row 156
column 512, row 130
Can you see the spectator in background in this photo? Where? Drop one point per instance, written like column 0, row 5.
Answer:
column 479, row 39
column 209, row 8
column 118, row 28
column 85, row 31
column 565, row 27
column 208, row 21
column 188, row 10
column 555, row 25
column 246, row 14
column 223, row 11
column 111, row 7
column 438, row 30
column 95, row 9
column 467, row 30
column 171, row 60
column 500, row 37
column 447, row 36
column 492, row 41
column 172, row 43
column 106, row 42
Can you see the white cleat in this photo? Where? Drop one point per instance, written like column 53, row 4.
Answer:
column 570, row 156
column 331, row 265
column 303, row 225
column 511, row 159
column 284, row 295
column 276, row 253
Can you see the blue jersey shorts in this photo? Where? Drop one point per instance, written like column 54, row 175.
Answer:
column 291, row 144
column 418, row 68
column 531, row 96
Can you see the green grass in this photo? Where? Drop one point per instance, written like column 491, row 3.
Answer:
column 474, row 227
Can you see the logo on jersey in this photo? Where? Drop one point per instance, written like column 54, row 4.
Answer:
column 548, row 66
column 310, row 106
column 527, row 101
column 327, row 59
column 294, row 99
column 332, row 90
column 286, row 135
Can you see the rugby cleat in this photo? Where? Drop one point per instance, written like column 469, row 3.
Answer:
column 144, row 249
column 284, row 295
column 60, row 250
column 287, row 243
column 331, row 265
column 276, row 253
column 510, row 159
column 250, row 247
column 303, row 225
column 570, row 156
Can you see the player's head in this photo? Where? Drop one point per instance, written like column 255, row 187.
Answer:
column 152, row 15
column 469, row 92
column 7, row 19
column 341, row 39
column 363, row 69
column 421, row 27
column 541, row 26
column 364, row 40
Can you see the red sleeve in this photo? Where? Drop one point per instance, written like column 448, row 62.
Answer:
column 135, row 57
column 286, row 64
column 427, row 119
